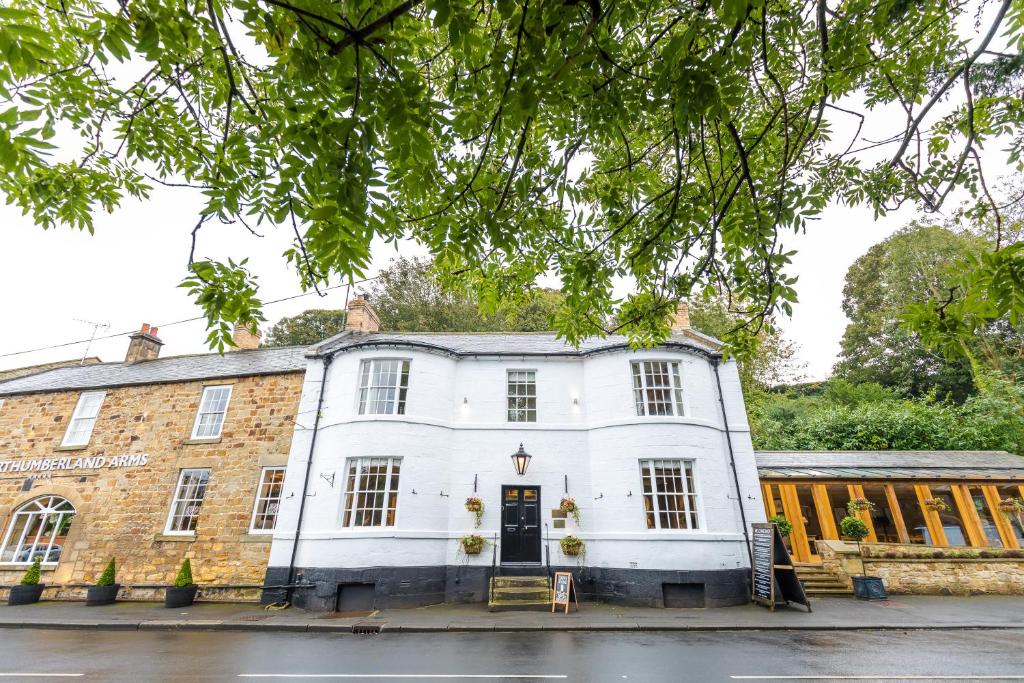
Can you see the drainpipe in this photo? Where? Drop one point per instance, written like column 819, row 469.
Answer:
column 305, row 484
column 732, row 461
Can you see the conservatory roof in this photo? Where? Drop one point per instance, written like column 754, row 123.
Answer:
column 889, row 465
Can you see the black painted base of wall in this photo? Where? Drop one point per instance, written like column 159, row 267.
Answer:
column 418, row 586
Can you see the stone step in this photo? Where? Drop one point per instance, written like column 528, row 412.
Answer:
column 541, row 594
column 521, row 582
column 518, row 605
column 829, row 591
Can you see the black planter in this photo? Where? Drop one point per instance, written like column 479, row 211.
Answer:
column 869, row 588
column 180, row 597
column 25, row 595
column 101, row 595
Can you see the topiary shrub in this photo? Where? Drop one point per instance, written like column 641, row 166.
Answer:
column 107, row 578
column 785, row 526
column 184, row 577
column 32, row 575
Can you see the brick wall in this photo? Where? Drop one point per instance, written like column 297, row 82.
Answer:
column 122, row 512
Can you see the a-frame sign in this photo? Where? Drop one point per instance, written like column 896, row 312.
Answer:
column 773, row 576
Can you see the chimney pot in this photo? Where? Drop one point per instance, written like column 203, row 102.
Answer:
column 145, row 327
column 360, row 316
column 152, row 331
column 681, row 317
column 143, row 345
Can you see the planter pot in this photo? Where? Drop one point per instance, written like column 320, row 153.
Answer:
column 180, row 597
column 869, row 588
column 101, row 595
column 25, row 595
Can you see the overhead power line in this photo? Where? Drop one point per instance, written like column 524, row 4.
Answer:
column 176, row 322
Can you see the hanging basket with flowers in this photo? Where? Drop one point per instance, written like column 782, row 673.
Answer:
column 472, row 544
column 568, row 506
column 1011, row 506
column 476, row 506
column 571, row 546
column 936, row 505
column 859, row 505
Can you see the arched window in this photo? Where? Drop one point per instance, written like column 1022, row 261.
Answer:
column 37, row 531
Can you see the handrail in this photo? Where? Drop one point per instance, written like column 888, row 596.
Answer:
column 547, row 549
column 494, row 561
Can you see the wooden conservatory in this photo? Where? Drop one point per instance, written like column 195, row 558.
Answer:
column 938, row 498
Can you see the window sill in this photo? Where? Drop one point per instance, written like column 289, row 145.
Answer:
column 72, row 448
column 193, row 442
column 175, row 538
column 12, row 566
column 256, row 538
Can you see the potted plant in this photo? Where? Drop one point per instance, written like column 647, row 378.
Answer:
column 476, row 506
column 785, row 526
column 568, row 506
column 106, row 589
column 936, row 505
column 571, row 546
column 183, row 592
column 29, row 590
column 864, row 586
column 859, row 505
column 472, row 544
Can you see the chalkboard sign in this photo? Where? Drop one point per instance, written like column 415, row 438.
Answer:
column 774, row 580
column 564, row 588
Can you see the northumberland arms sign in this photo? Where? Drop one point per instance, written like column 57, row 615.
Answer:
column 63, row 464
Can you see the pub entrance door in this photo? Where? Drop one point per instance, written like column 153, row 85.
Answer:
column 520, row 525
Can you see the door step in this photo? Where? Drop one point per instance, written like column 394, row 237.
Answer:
column 817, row 580
column 519, row 593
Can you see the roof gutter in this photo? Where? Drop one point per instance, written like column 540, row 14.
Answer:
column 732, row 461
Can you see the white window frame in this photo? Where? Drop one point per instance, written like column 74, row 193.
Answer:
column 178, row 497
column 80, row 416
column 690, row 512
column 368, row 399
column 261, row 497
column 641, row 388
column 45, row 507
column 355, row 504
column 510, row 398
column 205, row 409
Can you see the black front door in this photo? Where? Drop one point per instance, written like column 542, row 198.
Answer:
column 520, row 524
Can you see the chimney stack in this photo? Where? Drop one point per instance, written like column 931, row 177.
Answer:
column 246, row 338
column 360, row 316
column 681, row 318
column 144, row 345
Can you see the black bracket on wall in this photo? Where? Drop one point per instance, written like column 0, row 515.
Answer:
column 474, row 483
column 566, row 482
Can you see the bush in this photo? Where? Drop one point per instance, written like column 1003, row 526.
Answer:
column 785, row 526
column 32, row 574
column 184, row 577
column 108, row 575
column 853, row 528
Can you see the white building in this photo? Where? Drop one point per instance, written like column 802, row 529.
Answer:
column 396, row 430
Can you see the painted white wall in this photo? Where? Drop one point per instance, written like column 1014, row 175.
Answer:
column 455, row 430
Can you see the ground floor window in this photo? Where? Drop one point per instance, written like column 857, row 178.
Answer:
column 188, row 501
column 670, row 497
column 37, row 531
column 268, row 499
column 371, row 491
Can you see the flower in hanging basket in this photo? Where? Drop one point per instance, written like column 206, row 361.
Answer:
column 472, row 544
column 571, row 546
column 476, row 506
column 859, row 505
column 936, row 505
column 568, row 507
column 1011, row 506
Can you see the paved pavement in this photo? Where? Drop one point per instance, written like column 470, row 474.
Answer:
column 910, row 612
column 718, row 657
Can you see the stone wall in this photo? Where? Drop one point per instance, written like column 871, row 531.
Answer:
column 917, row 570
column 121, row 511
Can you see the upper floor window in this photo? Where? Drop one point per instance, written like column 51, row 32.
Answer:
column 371, row 491
column 188, row 501
column 656, row 388
column 383, row 384
column 83, row 419
column 670, row 498
column 212, row 408
column 268, row 500
column 522, row 396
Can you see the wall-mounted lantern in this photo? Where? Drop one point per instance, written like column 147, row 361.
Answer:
column 521, row 460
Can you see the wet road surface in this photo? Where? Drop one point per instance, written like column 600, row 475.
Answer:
column 54, row 655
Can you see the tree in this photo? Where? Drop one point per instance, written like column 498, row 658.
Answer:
column 306, row 328
column 906, row 268
column 672, row 144
column 411, row 296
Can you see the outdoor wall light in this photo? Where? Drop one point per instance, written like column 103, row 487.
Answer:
column 575, row 400
column 521, row 460
column 465, row 400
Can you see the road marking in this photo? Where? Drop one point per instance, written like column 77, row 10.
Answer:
column 528, row 677
column 902, row 677
column 39, row 675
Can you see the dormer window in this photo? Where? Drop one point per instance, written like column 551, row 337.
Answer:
column 383, row 385
column 657, row 389
column 83, row 419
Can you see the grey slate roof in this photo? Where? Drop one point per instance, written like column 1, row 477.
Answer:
column 501, row 344
column 162, row 371
column 889, row 465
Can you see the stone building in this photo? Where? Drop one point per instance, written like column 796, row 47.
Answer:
column 148, row 461
column 653, row 447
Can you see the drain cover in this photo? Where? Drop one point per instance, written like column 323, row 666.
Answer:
column 254, row 617
column 367, row 627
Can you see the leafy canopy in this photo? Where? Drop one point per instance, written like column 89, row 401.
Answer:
column 306, row 328
column 675, row 144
